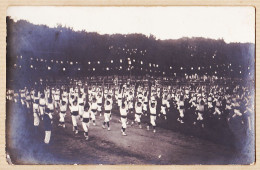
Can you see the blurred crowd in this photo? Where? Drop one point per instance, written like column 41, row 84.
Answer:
column 203, row 106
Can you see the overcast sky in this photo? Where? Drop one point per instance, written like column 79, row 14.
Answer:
column 233, row 24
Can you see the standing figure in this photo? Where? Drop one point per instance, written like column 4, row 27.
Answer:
column 165, row 104
column 85, row 120
column 64, row 96
column 74, row 109
column 36, row 111
column 99, row 103
column 123, row 113
column 107, row 114
column 42, row 105
column 56, row 98
column 47, row 120
column 81, row 105
column 145, row 105
column 120, row 97
column 152, row 106
column 200, row 110
column 93, row 110
column 181, row 109
column 130, row 102
column 28, row 100
column 22, row 96
column 138, row 113
column 50, row 107
column 63, row 109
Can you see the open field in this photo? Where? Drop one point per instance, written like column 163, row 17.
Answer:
column 166, row 146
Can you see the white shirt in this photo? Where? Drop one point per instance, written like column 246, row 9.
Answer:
column 99, row 99
column 57, row 96
column 153, row 110
column 42, row 101
column 81, row 100
column 123, row 112
column 108, row 107
column 63, row 108
column 138, row 109
column 94, row 106
column 85, row 114
column 74, row 108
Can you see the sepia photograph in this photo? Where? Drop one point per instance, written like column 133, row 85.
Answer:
column 130, row 85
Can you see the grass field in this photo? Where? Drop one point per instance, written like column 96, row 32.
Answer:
column 171, row 144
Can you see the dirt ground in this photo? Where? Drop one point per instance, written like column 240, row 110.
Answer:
column 25, row 144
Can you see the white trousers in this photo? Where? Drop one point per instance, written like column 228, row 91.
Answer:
column 36, row 119
column 93, row 115
column 152, row 120
column 22, row 101
column 62, row 117
column 99, row 108
column 74, row 120
column 42, row 110
column 163, row 110
column 81, row 110
column 85, row 126
column 47, row 137
column 199, row 116
column 130, row 105
column 145, row 107
column 27, row 104
column 119, row 102
column 217, row 111
column 137, row 118
column 107, row 117
column 123, row 121
column 181, row 113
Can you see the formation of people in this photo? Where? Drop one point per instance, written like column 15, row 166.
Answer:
column 195, row 105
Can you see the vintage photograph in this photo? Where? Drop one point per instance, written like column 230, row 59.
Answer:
column 130, row 85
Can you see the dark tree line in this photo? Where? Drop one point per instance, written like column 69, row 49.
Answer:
column 86, row 49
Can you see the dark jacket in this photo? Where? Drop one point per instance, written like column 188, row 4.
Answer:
column 47, row 122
